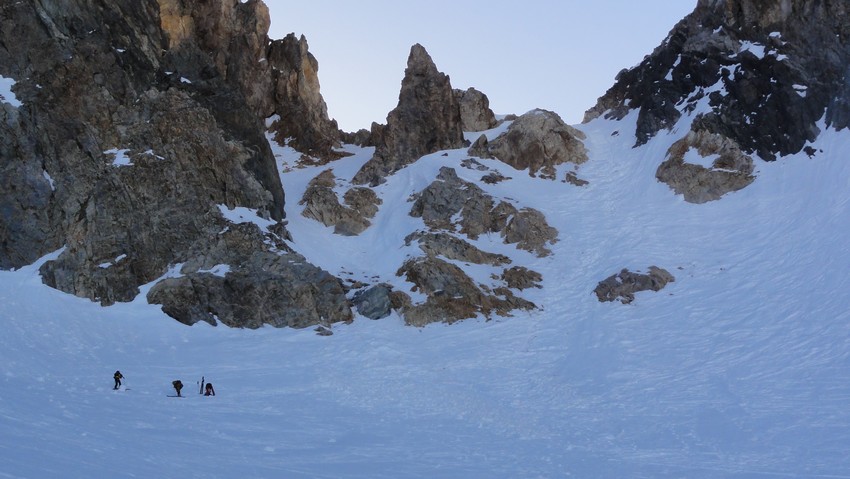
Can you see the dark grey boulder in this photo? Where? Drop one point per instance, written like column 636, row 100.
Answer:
column 375, row 302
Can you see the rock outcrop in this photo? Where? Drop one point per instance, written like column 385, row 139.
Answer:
column 450, row 199
column 537, row 141
column 450, row 208
column 454, row 248
column 139, row 123
column 238, row 284
column 322, row 204
column 760, row 72
column 427, row 119
column 726, row 168
column 625, row 284
column 520, row 277
column 452, row 295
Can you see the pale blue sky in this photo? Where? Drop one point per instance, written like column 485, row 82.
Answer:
column 559, row 55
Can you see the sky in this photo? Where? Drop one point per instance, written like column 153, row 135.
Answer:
column 560, row 55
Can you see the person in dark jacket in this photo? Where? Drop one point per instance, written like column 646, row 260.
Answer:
column 209, row 391
column 177, row 386
column 118, row 377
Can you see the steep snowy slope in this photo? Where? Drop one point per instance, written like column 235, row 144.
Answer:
column 740, row 368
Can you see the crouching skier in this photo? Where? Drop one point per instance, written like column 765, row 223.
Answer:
column 177, row 386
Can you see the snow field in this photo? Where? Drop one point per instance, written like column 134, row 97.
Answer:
column 738, row 369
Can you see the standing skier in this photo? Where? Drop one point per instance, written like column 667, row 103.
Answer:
column 209, row 391
column 118, row 377
column 177, row 386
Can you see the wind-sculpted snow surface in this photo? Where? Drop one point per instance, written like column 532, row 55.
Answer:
column 738, row 369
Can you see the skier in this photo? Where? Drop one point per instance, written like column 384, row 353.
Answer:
column 118, row 377
column 209, row 391
column 177, row 386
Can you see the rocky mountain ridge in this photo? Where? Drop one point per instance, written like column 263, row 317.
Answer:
column 769, row 70
column 144, row 132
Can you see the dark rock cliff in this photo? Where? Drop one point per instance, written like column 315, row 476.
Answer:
column 768, row 71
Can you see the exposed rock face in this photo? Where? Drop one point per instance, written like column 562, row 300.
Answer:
column 139, row 121
column 730, row 169
column 760, row 72
column 475, row 112
column 298, row 102
column 625, row 284
column 321, row 204
column 277, row 77
column 537, row 141
column 220, row 32
column 427, row 119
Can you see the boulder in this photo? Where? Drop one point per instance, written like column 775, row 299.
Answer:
column 528, row 229
column 362, row 200
column 446, row 197
column 448, row 206
column 625, row 284
column 375, row 302
column 573, row 179
column 537, row 141
column 475, row 112
column 452, row 295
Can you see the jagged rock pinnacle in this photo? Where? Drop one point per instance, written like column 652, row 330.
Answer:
column 427, row 119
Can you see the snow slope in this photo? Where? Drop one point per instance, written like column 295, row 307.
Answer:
column 738, row 369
